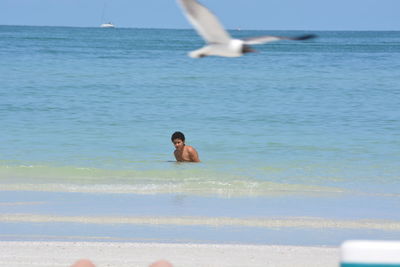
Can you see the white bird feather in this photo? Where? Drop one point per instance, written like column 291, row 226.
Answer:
column 219, row 42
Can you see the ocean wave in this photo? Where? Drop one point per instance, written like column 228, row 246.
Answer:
column 193, row 181
column 275, row 222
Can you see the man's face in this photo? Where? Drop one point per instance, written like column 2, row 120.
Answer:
column 178, row 143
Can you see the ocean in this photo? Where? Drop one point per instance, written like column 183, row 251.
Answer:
column 299, row 143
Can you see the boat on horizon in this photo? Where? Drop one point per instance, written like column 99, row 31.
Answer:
column 103, row 18
column 107, row 25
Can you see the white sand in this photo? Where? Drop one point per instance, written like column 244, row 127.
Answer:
column 180, row 255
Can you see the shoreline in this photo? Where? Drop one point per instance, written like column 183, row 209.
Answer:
column 21, row 253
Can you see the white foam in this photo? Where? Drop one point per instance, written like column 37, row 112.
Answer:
column 193, row 188
column 284, row 222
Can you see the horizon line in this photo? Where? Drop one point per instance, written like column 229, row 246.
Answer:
column 189, row 28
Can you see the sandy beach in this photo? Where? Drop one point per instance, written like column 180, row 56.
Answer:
column 142, row 254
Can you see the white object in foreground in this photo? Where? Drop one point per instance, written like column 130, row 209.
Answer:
column 370, row 253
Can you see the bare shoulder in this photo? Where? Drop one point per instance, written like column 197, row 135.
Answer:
column 190, row 148
column 194, row 157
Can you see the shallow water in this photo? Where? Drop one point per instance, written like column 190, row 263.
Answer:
column 90, row 112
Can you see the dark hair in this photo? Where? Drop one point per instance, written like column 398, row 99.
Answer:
column 177, row 135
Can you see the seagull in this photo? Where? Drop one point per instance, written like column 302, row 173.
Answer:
column 219, row 42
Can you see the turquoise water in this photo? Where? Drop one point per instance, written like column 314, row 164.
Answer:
column 313, row 127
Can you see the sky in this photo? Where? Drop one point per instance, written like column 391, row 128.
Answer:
column 244, row 14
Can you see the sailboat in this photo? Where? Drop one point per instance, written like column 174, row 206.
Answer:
column 105, row 25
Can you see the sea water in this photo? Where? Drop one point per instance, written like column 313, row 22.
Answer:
column 305, row 132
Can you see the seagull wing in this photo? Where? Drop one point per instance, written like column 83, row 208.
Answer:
column 267, row 39
column 205, row 22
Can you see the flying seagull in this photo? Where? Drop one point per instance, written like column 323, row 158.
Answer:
column 219, row 42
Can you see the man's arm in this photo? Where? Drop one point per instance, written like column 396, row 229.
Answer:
column 176, row 154
column 194, row 157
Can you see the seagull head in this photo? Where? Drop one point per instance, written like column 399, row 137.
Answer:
column 247, row 49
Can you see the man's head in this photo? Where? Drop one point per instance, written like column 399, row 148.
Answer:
column 178, row 139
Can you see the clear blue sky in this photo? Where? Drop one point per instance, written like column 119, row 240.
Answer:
column 245, row 14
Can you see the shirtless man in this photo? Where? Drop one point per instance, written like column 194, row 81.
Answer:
column 183, row 152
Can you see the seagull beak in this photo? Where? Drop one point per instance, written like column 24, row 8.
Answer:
column 247, row 49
